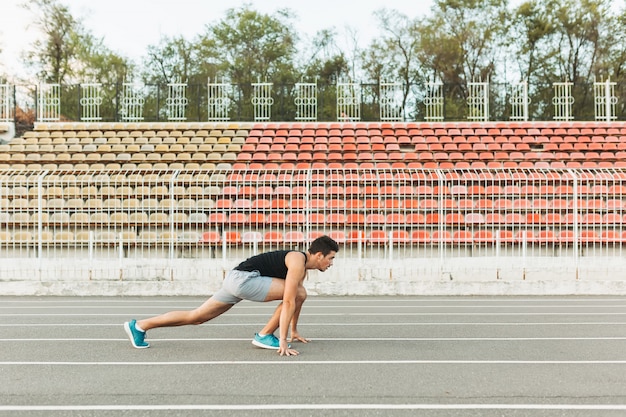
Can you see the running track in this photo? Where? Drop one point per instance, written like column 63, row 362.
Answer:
column 370, row 356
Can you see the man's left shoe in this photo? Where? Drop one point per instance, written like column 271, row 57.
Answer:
column 268, row 341
column 136, row 337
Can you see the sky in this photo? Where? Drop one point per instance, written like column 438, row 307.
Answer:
column 128, row 26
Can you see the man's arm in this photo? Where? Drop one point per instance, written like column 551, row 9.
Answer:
column 296, row 273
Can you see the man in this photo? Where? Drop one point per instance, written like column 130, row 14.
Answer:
column 270, row 276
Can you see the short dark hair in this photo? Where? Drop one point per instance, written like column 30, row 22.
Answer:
column 323, row 244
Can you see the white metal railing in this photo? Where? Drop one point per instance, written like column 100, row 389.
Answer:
column 306, row 101
column 563, row 101
column 90, row 102
column 515, row 215
column 348, row 102
column 519, row 101
column 49, row 103
column 5, row 103
column 176, row 101
column 132, row 103
column 391, row 101
column 605, row 100
column 434, row 102
column 478, row 101
column 262, row 101
column 218, row 101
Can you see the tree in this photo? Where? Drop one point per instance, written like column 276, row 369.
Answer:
column 461, row 42
column 53, row 55
column 247, row 47
column 395, row 55
column 565, row 40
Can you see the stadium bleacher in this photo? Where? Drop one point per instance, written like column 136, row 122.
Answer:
column 479, row 188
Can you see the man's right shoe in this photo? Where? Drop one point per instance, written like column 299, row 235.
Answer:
column 136, row 337
column 269, row 341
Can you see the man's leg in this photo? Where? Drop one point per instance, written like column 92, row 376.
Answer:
column 276, row 292
column 210, row 309
column 136, row 330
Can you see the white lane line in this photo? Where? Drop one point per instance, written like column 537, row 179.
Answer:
column 313, row 299
column 312, row 306
column 367, row 324
column 326, row 339
column 395, row 314
column 296, row 361
column 267, row 407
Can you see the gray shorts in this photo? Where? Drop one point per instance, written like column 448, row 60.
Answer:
column 243, row 285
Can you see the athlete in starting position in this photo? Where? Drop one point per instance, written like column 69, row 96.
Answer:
column 270, row 276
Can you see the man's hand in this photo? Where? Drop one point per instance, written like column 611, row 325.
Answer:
column 284, row 349
column 295, row 337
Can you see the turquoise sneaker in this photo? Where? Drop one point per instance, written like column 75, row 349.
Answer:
column 269, row 341
column 136, row 337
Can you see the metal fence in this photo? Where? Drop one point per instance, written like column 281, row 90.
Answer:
column 439, row 215
column 383, row 101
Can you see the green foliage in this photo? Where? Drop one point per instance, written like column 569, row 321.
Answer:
column 538, row 41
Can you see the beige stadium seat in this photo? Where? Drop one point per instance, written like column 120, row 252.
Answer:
column 128, row 236
column 19, row 203
column 82, row 236
column 147, row 236
column 138, row 157
column 89, row 191
column 138, row 218
column 100, row 218
column 131, row 203
column 64, row 237
column 205, row 204
column 107, row 190
column 112, row 204
column 56, row 204
column 168, row 157
column 80, row 218
column 59, row 218
column 149, row 203
column 5, row 237
column 74, row 203
column 159, row 191
column 178, row 218
column 20, row 217
column 182, row 140
column 22, row 236
column 124, row 191
column 119, row 218
column 106, row 237
column 158, row 218
column 19, row 191
column 46, row 236
column 93, row 203
column 167, row 203
column 54, row 191
column 107, row 157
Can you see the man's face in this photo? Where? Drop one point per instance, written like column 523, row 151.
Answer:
column 325, row 262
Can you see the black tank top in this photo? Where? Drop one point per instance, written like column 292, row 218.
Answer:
column 269, row 264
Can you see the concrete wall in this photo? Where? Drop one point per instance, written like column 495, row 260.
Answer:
column 457, row 276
